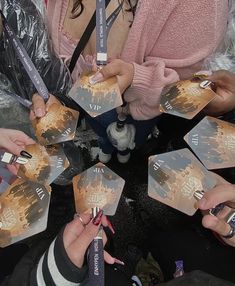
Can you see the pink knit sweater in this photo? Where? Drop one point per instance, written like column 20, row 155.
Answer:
column 169, row 39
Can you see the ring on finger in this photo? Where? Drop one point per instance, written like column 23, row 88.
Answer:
column 231, row 221
column 80, row 218
column 230, row 234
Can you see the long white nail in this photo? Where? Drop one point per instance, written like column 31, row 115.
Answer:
column 96, row 78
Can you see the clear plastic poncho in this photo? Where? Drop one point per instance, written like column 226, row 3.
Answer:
column 28, row 23
column 224, row 57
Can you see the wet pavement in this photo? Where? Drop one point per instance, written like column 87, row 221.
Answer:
column 138, row 217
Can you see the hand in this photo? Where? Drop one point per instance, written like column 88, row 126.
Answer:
column 14, row 141
column 225, row 93
column 124, row 72
column 77, row 238
column 39, row 107
column 224, row 192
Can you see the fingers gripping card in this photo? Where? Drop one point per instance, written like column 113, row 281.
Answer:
column 46, row 164
column 186, row 98
column 97, row 187
column 97, row 98
column 58, row 125
column 213, row 141
column 174, row 177
column 24, row 209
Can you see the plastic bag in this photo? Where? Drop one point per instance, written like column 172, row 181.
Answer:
column 224, row 57
column 10, row 109
column 28, row 24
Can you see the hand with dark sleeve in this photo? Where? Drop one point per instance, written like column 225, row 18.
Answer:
column 63, row 262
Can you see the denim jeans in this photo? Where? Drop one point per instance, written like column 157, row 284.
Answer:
column 100, row 123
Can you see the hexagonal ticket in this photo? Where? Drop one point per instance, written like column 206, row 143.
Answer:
column 213, row 141
column 97, row 187
column 24, row 211
column 97, row 98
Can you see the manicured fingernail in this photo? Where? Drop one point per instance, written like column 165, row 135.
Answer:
column 25, row 154
column 110, row 226
column 205, row 84
column 96, row 78
column 97, row 219
column 203, row 74
column 39, row 112
column 202, row 203
column 118, row 261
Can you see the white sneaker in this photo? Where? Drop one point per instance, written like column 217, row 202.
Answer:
column 104, row 158
column 123, row 158
column 136, row 281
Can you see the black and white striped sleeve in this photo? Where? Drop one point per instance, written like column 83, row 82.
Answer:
column 55, row 268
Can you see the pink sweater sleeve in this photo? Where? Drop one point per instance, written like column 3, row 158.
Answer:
column 180, row 39
column 144, row 94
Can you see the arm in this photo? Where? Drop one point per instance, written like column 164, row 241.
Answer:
column 53, row 265
column 176, row 38
column 63, row 262
column 148, row 83
column 168, row 41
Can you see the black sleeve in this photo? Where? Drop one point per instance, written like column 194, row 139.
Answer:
column 52, row 268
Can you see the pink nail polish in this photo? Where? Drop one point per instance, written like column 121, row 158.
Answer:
column 110, row 226
column 96, row 78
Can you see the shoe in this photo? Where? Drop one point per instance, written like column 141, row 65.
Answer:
column 148, row 271
column 123, row 158
column 104, row 158
column 136, row 281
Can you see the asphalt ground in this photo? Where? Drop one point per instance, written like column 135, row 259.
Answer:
column 142, row 225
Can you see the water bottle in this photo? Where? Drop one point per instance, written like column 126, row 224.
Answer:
column 122, row 137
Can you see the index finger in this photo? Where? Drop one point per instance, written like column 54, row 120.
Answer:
column 75, row 228
column 39, row 106
column 219, row 194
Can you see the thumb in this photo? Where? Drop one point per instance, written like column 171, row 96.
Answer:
column 219, row 194
column 112, row 69
column 39, row 106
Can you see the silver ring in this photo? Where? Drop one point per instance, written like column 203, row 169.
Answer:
column 81, row 220
column 230, row 234
column 231, row 221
